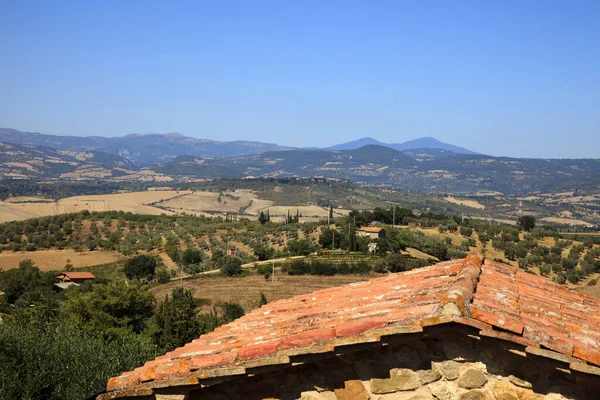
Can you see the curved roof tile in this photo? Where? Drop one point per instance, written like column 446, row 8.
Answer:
column 499, row 300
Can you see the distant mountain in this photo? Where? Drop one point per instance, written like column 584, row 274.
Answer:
column 421, row 170
column 28, row 161
column 422, row 143
column 141, row 149
column 356, row 144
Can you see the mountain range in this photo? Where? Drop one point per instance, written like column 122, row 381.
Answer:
column 148, row 149
column 421, row 143
column 176, row 158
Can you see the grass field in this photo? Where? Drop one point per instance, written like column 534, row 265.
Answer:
column 51, row 260
column 566, row 221
column 468, row 203
column 215, row 202
column 135, row 202
column 246, row 290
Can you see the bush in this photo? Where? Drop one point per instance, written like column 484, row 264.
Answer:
column 60, row 361
column 231, row 266
column 140, row 267
column 265, row 270
column 231, row 312
column 163, row 275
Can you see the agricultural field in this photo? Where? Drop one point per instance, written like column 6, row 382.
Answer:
column 246, row 290
column 468, row 203
column 19, row 208
column 243, row 202
column 54, row 260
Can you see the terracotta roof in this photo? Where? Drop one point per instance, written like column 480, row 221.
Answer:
column 496, row 299
column 370, row 229
column 2, row 293
column 77, row 275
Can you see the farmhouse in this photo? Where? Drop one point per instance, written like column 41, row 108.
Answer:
column 462, row 329
column 75, row 277
column 372, row 232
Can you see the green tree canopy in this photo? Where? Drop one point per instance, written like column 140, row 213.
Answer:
column 114, row 309
column 175, row 321
column 231, row 266
column 140, row 267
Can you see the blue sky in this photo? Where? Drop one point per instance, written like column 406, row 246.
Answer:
column 519, row 78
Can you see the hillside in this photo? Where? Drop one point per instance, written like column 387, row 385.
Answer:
column 177, row 158
column 141, row 149
column 421, row 170
column 30, row 161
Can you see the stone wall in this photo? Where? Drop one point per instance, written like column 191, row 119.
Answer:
column 445, row 362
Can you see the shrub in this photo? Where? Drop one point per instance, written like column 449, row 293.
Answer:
column 231, row 266
column 163, row 275
column 140, row 267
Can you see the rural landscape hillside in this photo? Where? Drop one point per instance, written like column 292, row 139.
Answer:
column 299, row 200
column 439, row 169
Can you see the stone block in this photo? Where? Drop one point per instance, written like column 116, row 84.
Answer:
column 443, row 390
column 422, row 393
column 400, row 379
column 504, row 391
column 519, row 382
column 529, row 395
column 314, row 395
column 449, row 369
column 429, row 375
column 353, row 390
column 472, row 378
column 473, row 395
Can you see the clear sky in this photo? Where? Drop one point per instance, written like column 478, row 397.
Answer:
column 519, row 78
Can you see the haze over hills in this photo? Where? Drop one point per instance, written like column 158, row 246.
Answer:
column 421, row 143
column 141, row 149
column 147, row 149
column 174, row 157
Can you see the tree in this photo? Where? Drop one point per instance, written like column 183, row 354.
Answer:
column 263, row 299
column 527, row 222
column 162, row 275
column 60, row 361
column 299, row 247
column 231, row 266
column 16, row 282
column 264, row 252
column 140, row 267
column 329, row 238
column 190, row 256
column 395, row 263
column 231, row 312
column 263, row 217
column 115, row 309
column 175, row 322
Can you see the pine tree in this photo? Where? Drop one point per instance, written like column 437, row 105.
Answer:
column 175, row 321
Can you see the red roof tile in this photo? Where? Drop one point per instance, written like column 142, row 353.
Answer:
column 499, row 300
column 76, row 275
column 370, row 229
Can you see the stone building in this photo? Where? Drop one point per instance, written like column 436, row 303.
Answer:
column 462, row 329
column 371, row 232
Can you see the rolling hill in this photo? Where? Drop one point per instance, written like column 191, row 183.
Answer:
column 141, row 149
column 381, row 166
column 22, row 162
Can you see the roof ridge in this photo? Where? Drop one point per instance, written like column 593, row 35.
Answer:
column 460, row 294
